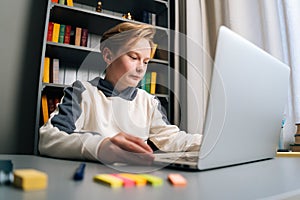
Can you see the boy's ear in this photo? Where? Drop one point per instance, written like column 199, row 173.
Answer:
column 107, row 55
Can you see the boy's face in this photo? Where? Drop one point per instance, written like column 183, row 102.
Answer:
column 128, row 69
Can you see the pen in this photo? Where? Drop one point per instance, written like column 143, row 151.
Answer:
column 79, row 173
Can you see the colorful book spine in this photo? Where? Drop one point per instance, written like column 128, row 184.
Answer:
column 67, row 34
column 50, row 31
column 45, row 108
column 70, row 3
column 55, row 35
column 46, row 75
column 61, row 36
column 148, row 81
column 78, row 36
column 55, row 71
column 62, row 2
column 54, row 1
column 153, row 82
column 84, row 37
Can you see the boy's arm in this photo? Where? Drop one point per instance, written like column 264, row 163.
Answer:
column 167, row 137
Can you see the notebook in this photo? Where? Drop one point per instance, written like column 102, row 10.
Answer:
column 248, row 94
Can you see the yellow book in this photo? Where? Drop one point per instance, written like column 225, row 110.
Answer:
column 30, row 179
column 46, row 75
column 55, row 34
column 45, row 111
column 153, row 51
column 70, row 3
column 153, row 82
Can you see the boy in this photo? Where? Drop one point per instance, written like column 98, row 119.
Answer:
column 109, row 119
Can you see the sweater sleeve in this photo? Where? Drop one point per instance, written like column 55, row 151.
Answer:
column 169, row 137
column 62, row 135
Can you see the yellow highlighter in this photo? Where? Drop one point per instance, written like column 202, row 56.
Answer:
column 153, row 180
column 139, row 180
column 108, row 179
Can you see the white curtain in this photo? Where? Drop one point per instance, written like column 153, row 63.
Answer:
column 273, row 25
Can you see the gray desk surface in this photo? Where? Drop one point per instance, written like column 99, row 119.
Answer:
column 277, row 178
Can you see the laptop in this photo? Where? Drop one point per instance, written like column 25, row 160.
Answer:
column 248, row 94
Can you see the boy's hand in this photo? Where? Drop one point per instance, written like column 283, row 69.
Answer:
column 125, row 148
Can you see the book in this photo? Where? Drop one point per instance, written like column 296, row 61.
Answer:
column 84, row 37
column 55, row 34
column 70, row 3
column 67, row 36
column 78, row 31
column 298, row 128
column 50, row 31
column 295, row 147
column 62, row 2
column 94, row 41
column 45, row 108
column 153, row 50
column 53, row 101
column 153, row 82
column 297, row 138
column 54, row 1
column 147, row 81
column 55, row 71
column 46, row 75
column 61, row 36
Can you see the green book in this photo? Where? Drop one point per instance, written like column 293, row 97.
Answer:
column 61, row 33
column 62, row 2
column 148, row 81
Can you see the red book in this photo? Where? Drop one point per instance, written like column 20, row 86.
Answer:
column 84, row 37
column 54, row 1
column 67, row 34
column 50, row 31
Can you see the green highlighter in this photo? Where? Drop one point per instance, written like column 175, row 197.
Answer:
column 153, row 180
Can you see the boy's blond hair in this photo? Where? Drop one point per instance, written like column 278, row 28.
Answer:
column 123, row 36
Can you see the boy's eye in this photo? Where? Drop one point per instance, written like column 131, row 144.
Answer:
column 133, row 57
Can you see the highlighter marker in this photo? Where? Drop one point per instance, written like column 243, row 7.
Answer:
column 177, row 180
column 153, row 180
column 108, row 179
column 79, row 173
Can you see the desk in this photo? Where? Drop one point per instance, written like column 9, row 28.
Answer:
column 275, row 178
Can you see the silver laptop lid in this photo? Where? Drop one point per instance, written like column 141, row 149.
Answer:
column 248, row 94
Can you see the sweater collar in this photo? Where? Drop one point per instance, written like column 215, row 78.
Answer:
column 108, row 89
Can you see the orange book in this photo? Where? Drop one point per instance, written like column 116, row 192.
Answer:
column 46, row 75
column 70, row 3
column 45, row 108
column 54, row 1
column 78, row 36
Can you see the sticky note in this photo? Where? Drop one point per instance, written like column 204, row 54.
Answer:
column 177, row 179
column 139, row 180
column 30, row 179
column 108, row 179
column 153, row 180
column 126, row 181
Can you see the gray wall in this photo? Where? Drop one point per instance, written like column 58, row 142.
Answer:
column 21, row 36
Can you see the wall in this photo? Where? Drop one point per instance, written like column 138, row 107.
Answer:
column 21, row 36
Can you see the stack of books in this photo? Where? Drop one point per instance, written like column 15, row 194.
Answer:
column 296, row 146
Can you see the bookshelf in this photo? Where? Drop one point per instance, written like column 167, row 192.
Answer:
column 85, row 62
